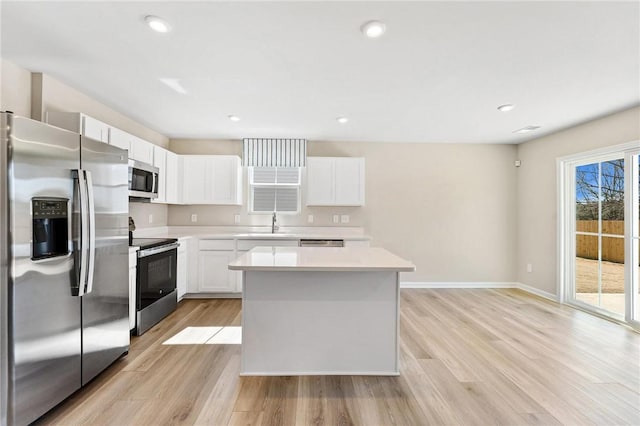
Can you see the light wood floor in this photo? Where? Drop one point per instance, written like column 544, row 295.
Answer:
column 468, row 357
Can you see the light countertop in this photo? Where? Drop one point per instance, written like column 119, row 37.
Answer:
column 304, row 259
column 254, row 233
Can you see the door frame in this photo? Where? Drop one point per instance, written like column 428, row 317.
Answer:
column 566, row 226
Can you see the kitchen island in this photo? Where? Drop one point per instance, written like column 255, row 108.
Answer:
column 320, row 311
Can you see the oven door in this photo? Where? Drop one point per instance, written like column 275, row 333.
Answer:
column 156, row 274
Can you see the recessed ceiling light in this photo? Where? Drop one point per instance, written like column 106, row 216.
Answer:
column 234, row 118
column 342, row 120
column 506, row 107
column 527, row 129
column 373, row 29
column 157, row 24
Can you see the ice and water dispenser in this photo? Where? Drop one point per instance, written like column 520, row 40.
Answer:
column 50, row 226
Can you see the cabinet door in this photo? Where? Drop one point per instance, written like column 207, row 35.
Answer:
column 214, row 275
column 141, row 150
column 160, row 161
column 120, row 139
column 320, row 181
column 95, row 129
column 225, row 180
column 349, row 181
column 195, row 180
column 173, row 179
column 182, row 271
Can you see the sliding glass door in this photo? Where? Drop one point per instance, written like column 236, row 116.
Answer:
column 601, row 233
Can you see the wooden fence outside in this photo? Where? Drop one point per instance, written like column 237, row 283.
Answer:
column 612, row 248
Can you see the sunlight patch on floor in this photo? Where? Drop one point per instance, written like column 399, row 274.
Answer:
column 207, row 335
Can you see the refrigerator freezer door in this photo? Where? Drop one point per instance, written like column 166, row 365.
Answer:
column 105, row 306
column 44, row 317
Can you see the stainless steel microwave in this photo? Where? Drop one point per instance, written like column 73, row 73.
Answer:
column 143, row 181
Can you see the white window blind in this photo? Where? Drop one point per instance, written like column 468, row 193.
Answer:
column 274, row 189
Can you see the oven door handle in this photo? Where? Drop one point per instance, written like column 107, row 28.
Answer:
column 156, row 250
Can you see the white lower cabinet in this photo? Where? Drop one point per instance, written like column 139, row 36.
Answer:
column 133, row 263
column 214, row 275
column 214, row 256
column 182, row 269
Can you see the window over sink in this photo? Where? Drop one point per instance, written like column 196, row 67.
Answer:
column 274, row 189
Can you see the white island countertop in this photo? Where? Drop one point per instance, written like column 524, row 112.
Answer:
column 303, row 259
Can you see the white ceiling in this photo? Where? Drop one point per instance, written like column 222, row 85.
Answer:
column 288, row 69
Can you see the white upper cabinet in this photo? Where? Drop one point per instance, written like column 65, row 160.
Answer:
column 95, row 129
column 320, row 181
column 194, row 179
column 173, row 179
column 141, row 150
column 226, row 179
column 335, row 181
column 80, row 123
column 211, row 179
column 120, row 138
column 160, row 161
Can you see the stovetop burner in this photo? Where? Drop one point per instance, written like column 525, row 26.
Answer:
column 146, row 243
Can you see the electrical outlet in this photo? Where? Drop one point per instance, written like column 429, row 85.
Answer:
column 150, row 218
column 529, row 267
column 344, row 218
column 194, row 217
column 236, row 219
column 336, row 218
column 310, row 218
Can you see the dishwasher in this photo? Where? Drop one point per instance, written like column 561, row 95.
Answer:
column 321, row 243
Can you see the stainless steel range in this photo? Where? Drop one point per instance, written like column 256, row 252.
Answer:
column 156, row 295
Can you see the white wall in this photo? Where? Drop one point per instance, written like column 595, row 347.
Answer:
column 450, row 208
column 537, row 190
column 15, row 89
column 32, row 94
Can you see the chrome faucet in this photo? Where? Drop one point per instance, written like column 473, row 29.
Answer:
column 274, row 227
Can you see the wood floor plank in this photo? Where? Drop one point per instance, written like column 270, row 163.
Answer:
column 467, row 356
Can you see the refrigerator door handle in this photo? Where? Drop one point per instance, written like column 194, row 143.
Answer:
column 92, row 231
column 84, row 222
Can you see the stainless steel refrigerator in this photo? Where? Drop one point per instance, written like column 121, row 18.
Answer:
column 64, row 264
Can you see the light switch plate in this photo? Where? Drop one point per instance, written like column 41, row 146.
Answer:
column 150, row 218
column 344, row 218
column 194, row 217
column 310, row 218
column 236, row 219
column 336, row 218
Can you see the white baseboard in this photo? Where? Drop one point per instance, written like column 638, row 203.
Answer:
column 431, row 284
column 537, row 292
column 490, row 284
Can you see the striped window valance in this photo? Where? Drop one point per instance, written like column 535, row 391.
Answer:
column 274, row 152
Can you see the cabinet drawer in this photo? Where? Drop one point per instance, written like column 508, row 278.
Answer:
column 249, row 244
column 217, row 245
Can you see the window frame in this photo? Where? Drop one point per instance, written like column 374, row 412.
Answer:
column 251, row 186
